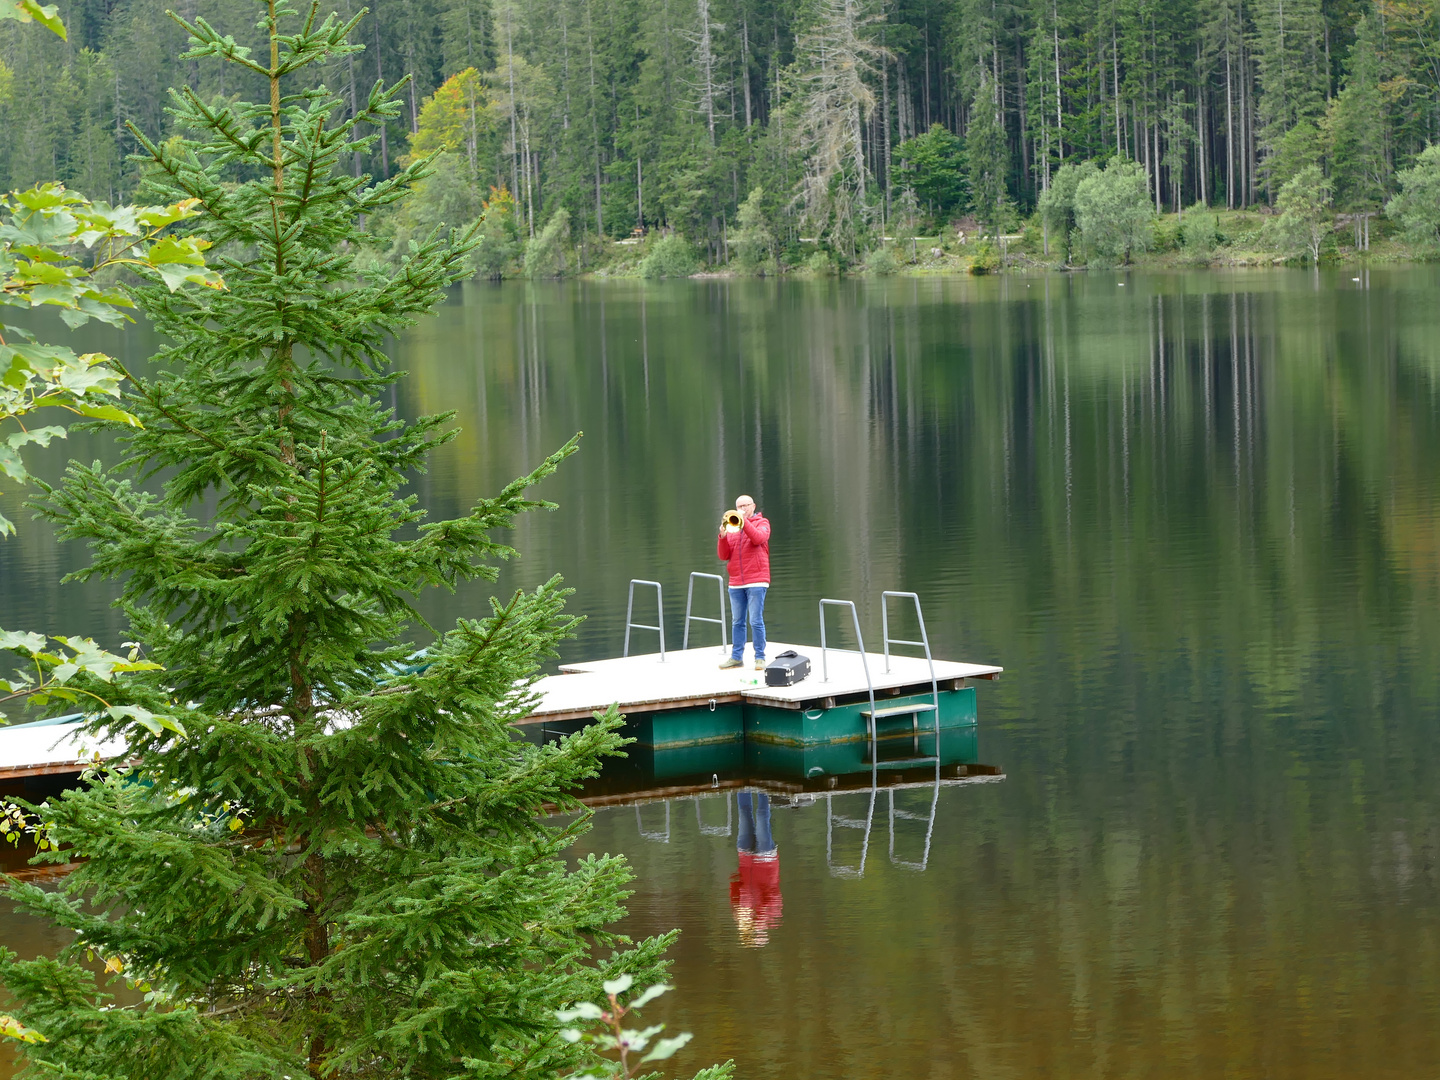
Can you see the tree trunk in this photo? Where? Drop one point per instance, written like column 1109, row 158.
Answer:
column 380, row 75
column 1229, row 130
column 1059, row 114
column 745, row 66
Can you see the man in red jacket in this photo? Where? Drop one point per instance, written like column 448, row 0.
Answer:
column 746, row 548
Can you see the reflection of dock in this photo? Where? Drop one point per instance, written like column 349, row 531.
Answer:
column 801, row 792
column 651, row 778
column 856, row 804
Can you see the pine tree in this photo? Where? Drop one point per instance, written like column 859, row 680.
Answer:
column 1358, row 129
column 985, row 155
column 341, row 869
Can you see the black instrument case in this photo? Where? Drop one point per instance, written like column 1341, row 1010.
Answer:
column 787, row 669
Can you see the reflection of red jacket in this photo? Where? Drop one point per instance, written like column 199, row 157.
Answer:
column 747, row 552
column 755, row 896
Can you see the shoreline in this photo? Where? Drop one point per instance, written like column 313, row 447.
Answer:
column 964, row 266
column 960, row 249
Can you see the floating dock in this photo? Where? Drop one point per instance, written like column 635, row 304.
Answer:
column 686, row 699
column 856, row 711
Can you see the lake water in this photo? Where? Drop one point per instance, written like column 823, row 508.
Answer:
column 1197, row 519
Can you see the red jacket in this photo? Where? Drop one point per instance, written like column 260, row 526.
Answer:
column 747, row 552
column 755, row 899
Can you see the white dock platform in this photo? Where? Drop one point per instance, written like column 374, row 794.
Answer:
column 48, row 749
column 640, row 684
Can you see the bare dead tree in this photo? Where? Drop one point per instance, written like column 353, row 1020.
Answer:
column 836, row 60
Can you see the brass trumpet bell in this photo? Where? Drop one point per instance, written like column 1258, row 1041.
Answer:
column 733, row 519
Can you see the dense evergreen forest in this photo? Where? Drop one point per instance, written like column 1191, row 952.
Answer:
column 845, row 114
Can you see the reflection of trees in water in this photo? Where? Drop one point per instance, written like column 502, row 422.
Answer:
column 1194, row 516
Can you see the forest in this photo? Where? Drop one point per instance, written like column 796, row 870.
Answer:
column 766, row 122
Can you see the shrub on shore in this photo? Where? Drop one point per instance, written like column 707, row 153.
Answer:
column 672, row 256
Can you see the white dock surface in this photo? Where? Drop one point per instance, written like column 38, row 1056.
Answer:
column 693, row 677
column 51, row 748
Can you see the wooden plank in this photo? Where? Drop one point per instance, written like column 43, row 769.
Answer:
column 57, row 768
column 630, row 709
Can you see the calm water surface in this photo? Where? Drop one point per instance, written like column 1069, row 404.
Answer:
column 1197, row 518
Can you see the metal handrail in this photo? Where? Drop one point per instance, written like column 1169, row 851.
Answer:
column 657, row 837
column 905, row 815
column 659, row 615
column 923, row 643
column 721, row 622
column 716, row 830
column 864, row 664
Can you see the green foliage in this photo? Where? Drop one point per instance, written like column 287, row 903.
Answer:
column 1304, row 219
column 610, row 1036
column 753, row 241
column 1113, row 211
column 1199, row 231
column 1355, row 127
column 905, row 217
column 933, row 166
column 25, row 11
column 1417, row 207
column 1057, row 203
column 10, row 1028
column 988, row 157
column 671, row 256
column 494, row 251
column 1300, row 148
column 454, row 118
column 881, row 262
column 986, row 259
column 545, row 253
column 343, row 868
column 599, row 109
column 1164, row 233
column 445, row 197
column 62, row 674
column 819, row 263
column 56, row 248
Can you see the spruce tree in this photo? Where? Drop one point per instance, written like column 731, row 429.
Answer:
column 340, row 869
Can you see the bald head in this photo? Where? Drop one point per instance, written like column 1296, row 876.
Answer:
column 746, row 505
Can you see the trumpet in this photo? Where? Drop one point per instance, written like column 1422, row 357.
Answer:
column 732, row 519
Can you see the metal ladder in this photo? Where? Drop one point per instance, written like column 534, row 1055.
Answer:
column 913, row 711
column 906, row 815
column 835, row 821
column 689, row 600
column 659, row 615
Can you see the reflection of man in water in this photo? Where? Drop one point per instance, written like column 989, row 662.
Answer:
column 755, row 887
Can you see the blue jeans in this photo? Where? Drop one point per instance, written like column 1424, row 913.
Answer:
column 754, row 835
column 749, row 600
